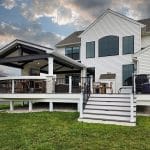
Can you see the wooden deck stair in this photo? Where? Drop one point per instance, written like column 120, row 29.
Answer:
column 111, row 109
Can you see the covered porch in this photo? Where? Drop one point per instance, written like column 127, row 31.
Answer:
column 42, row 76
column 41, row 68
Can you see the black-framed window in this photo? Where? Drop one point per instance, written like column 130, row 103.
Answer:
column 73, row 52
column 127, row 72
column 128, row 44
column 109, row 46
column 90, row 49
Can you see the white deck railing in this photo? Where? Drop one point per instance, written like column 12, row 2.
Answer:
column 41, row 84
column 22, row 84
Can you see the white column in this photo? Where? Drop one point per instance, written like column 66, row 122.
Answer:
column 13, row 86
column 83, row 75
column 50, row 106
column 83, row 72
column 30, row 106
column 11, row 105
column 91, row 84
column 70, row 84
column 50, row 66
column 50, row 84
column 132, row 108
column 81, row 105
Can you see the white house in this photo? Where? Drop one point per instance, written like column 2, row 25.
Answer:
column 107, row 46
column 109, row 51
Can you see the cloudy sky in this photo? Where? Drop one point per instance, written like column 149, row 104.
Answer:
column 48, row 21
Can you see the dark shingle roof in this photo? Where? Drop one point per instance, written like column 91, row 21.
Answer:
column 71, row 39
column 108, row 76
column 147, row 23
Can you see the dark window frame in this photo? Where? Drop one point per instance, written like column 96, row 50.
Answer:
column 72, row 54
column 94, row 49
column 130, row 79
column 123, row 48
column 107, row 40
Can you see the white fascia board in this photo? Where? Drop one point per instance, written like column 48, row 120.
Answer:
column 68, row 44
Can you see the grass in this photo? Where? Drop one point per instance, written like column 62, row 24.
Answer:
column 4, row 107
column 62, row 131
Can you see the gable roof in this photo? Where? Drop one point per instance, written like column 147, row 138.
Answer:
column 17, row 41
column 70, row 40
column 115, row 13
column 35, row 52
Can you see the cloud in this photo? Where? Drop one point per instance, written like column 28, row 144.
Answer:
column 76, row 13
column 80, row 13
column 54, row 9
column 32, row 33
column 9, row 4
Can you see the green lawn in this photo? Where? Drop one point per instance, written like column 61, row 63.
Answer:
column 62, row 131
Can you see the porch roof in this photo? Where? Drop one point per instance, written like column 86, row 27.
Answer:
column 18, row 53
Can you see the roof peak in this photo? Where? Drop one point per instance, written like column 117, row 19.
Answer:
column 114, row 13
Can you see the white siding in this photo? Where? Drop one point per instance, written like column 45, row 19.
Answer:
column 110, row 25
column 144, row 62
column 145, row 41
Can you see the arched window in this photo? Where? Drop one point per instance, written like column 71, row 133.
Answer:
column 109, row 46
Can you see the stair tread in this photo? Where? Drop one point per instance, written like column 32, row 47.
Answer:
column 108, row 112
column 106, row 117
column 108, row 120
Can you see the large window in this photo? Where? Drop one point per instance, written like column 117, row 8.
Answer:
column 73, row 52
column 128, row 45
column 127, row 72
column 90, row 49
column 109, row 46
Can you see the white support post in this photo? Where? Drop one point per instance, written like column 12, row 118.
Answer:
column 81, row 105
column 50, row 84
column 83, row 72
column 11, row 105
column 30, row 106
column 50, row 66
column 70, row 84
column 132, row 108
column 83, row 75
column 50, row 106
column 13, row 86
column 91, row 84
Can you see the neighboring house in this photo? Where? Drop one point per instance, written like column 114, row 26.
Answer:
column 108, row 46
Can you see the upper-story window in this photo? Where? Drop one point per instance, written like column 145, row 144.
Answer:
column 128, row 45
column 90, row 49
column 73, row 52
column 127, row 72
column 109, row 46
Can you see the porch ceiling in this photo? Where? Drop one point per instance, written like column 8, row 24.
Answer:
column 19, row 53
